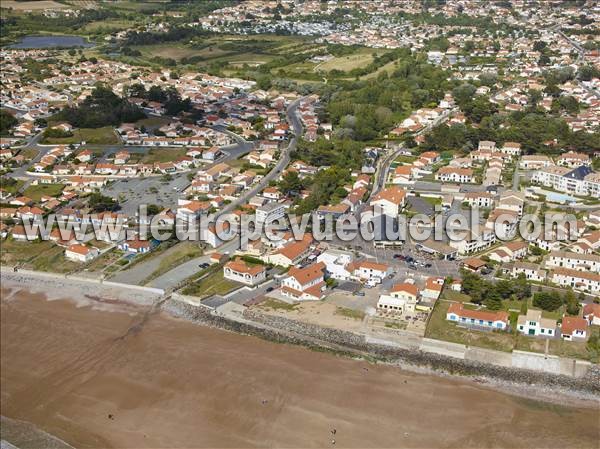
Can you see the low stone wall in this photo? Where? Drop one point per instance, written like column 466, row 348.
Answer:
column 284, row 330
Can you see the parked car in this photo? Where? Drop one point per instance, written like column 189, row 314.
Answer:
column 204, row 265
column 270, row 289
column 399, row 256
column 359, row 293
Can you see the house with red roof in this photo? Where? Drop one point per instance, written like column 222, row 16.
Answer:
column 240, row 271
column 574, row 328
column 457, row 313
column 304, row 284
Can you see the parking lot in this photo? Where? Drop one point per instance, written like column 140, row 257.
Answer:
column 131, row 193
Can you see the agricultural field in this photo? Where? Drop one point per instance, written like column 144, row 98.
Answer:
column 32, row 6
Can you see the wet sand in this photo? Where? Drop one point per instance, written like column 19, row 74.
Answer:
column 66, row 367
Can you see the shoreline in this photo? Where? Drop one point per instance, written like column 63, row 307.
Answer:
column 527, row 384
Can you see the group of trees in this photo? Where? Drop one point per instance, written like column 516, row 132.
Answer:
column 326, row 188
column 369, row 108
column 169, row 97
column 553, row 300
column 531, row 129
column 7, row 121
column 491, row 294
column 102, row 108
column 102, row 203
column 341, row 152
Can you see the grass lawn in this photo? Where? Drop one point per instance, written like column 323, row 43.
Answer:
column 36, row 192
column 433, row 201
column 350, row 313
column 451, row 295
column 98, row 136
column 275, row 304
column 100, row 263
column 441, row 329
column 29, row 153
column 13, row 251
column 162, row 155
column 13, row 188
column 213, row 284
column 21, row 6
column 361, row 58
column 37, row 255
column 181, row 253
column 153, row 122
column 53, row 260
column 110, row 24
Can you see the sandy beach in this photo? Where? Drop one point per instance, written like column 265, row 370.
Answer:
column 96, row 372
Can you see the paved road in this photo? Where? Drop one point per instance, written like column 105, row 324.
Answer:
column 383, row 166
column 580, row 55
column 284, row 160
column 181, row 272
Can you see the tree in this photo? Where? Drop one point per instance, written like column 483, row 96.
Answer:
column 153, row 209
column 103, row 107
column 493, row 300
column 290, row 182
column 544, row 60
column 7, row 121
column 101, row 203
column 571, row 302
column 549, row 301
column 521, row 287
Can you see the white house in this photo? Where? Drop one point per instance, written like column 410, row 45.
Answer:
column 579, row 280
column 370, row 271
column 269, row 212
column 433, row 288
column 478, row 318
column 390, row 200
column 454, row 174
column 534, row 162
column 531, row 271
column 81, row 253
column 337, row 263
column 304, row 284
column 533, row 324
column 574, row 328
column 239, row 271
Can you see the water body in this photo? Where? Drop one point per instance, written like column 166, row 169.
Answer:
column 35, row 42
column 92, row 378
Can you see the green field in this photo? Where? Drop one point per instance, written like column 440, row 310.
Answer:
column 213, row 284
column 11, row 188
column 441, row 329
column 36, row 192
column 162, row 155
column 37, row 255
column 98, row 136
column 179, row 254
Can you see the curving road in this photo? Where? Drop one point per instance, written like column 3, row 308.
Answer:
column 282, row 163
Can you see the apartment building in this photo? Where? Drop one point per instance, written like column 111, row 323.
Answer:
column 573, row 261
column 578, row 280
column 452, row 174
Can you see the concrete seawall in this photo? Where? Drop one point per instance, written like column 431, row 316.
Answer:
column 474, row 362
